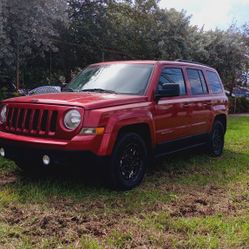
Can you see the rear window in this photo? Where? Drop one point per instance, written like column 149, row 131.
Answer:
column 197, row 82
column 214, row 82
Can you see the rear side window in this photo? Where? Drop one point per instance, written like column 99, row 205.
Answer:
column 173, row 75
column 197, row 82
column 214, row 82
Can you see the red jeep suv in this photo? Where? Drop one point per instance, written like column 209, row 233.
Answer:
column 123, row 111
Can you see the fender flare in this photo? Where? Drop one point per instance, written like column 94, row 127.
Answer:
column 116, row 123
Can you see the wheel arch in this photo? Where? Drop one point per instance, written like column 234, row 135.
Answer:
column 142, row 129
column 223, row 119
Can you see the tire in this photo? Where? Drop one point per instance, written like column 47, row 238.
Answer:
column 216, row 139
column 128, row 162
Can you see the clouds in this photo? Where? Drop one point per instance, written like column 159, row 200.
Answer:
column 212, row 13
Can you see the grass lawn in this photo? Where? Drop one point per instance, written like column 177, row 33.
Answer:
column 187, row 201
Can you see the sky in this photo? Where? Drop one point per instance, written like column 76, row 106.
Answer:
column 212, row 13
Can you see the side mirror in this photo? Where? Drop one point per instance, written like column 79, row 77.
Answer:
column 168, row 90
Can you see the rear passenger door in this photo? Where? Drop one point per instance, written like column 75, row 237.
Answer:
column 173, row 114
column 200, row 101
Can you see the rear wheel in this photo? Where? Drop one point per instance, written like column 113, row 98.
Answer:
column 128, row 162
column 216, row 139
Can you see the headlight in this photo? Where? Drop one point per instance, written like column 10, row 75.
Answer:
column 72, row 119
column 3, row 115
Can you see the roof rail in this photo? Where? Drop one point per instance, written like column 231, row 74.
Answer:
column 194, row 62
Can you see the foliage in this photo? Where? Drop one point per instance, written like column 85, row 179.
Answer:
column 27, row 29
column 3, row 93
column 53, row 38
column 227, row 52
column 238, row 105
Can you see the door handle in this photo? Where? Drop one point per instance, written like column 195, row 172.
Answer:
column 186, row 105
column 207, row 104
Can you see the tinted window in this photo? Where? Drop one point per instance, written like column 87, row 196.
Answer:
column 120, row 78
column 197, row 81
column 214, row 82
column 172, row 75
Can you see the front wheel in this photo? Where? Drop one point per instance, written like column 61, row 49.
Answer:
column 128, row 162
column 216, row 139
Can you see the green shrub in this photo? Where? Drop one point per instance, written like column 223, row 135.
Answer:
column 238, row 105
column 3, row 93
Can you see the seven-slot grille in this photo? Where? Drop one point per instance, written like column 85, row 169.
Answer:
column 31, row 121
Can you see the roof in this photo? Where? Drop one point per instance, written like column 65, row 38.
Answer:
column 178, row 62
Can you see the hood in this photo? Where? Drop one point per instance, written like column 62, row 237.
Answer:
column 84, row 99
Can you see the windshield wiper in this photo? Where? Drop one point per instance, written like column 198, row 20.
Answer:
column 67, row 89
column 98, row 90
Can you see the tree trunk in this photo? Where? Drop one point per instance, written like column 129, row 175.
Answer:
column 68, row 75
column 232, row 85
column 17, row 67
column 50, row 66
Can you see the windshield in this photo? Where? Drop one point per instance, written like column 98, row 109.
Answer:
column 113, row 78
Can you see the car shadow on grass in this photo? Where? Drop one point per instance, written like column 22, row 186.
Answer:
column 196, row 167
column 190, row 168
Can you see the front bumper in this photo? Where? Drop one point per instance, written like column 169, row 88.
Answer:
column 77, row 150
column 35, row 156
column 90, row 143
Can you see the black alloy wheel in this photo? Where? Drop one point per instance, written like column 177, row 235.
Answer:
column 128, row 162
column 216, row 139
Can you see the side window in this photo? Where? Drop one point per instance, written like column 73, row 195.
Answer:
column 173, row 75
column 214, row 82
column 197, row 81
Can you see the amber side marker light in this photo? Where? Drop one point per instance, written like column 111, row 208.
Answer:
column 93, row 131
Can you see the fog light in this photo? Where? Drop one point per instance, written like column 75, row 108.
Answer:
column 2, row 152
column 46, row 160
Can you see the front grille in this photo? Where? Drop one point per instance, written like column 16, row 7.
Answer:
column 31, row 121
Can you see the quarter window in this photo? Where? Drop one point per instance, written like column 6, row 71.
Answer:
column 197, row 82
column 214, row 82
column 172, row 75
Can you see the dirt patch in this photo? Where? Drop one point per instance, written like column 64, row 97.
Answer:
column 14, row 216
column 70, row 225
column 66, row 219
column 69, row 221
column 67, row 225
column 204, row 201
column 4, row 180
